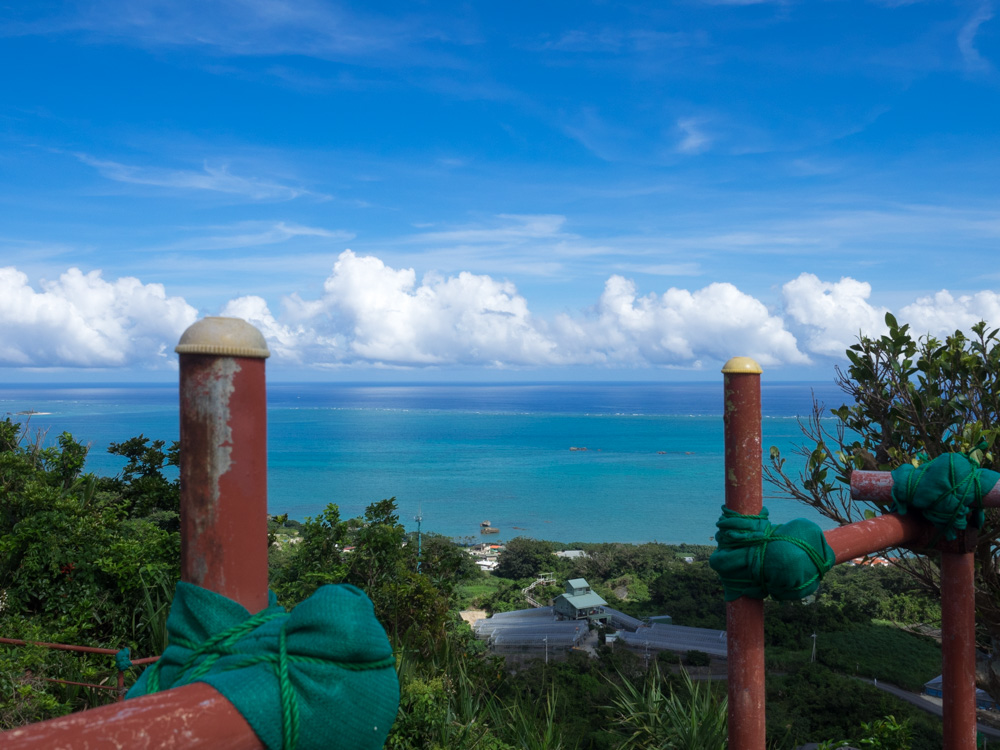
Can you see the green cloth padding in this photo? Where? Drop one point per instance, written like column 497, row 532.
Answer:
column 320, row 676
column 757, row 560
column 122, row 660
column 947, row 491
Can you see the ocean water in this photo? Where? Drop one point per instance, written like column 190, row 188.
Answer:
column 462, row 454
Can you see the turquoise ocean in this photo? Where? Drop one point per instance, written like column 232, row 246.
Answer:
column 462, row 454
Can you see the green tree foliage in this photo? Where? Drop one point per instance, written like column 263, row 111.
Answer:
column 812, row 703
column 910, row 399
column 524, row 558
column 77, row 565
column 374, row 553
column 691, row 593
column 142, row 485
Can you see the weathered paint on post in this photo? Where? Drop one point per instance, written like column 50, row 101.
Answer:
column 744, row 494
column 223, row 460
column 190, row 717
column 958, row 650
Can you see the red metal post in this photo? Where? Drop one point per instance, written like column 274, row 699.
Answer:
column 958, row 649
column 224, row 460
column 744, row 617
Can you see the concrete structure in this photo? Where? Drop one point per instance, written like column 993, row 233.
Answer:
column 580, row 603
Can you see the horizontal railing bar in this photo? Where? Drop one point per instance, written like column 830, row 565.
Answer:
column 81, row 684
column 873, row 534
column 61, row 646
column 876, row 486
column 191, row 717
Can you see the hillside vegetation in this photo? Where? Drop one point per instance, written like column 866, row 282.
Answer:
column 93, row 561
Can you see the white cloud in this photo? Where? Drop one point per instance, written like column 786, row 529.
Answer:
column 81, row 320
column 942, row 314
column 967, row 38
column 211, row 178
column 693, row 140
column 832, row 314
column 372, row 313
column 515, row 228
column 679, row 328
column 389, row 318
column 254, row 234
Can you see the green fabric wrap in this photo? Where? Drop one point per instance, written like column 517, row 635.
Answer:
column 947, row 491
column 123, row 659
column 320, row 676
column 757, row 560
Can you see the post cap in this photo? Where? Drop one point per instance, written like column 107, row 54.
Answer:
column 227, row 337
column 741, row 366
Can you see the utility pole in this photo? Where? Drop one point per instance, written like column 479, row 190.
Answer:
column 813, row 658
column 418, row 518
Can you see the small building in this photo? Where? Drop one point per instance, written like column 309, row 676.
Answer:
column 570, row 554
column 983, row 699
column 580, row 603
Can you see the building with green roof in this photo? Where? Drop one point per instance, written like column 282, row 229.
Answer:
column 580, row 603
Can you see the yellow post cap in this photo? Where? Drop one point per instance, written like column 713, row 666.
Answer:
column 741, row 366
column 227, row 337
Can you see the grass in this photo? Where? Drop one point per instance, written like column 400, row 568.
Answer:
column 467, row 593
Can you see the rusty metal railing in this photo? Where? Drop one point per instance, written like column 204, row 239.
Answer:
column 745, row 617
column 119, row 688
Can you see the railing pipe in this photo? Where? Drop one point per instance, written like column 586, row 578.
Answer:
column 223, row 544
column 873, row 534
column 876, row 487
column 744, row 494
column 193, row 716
column 61, row 646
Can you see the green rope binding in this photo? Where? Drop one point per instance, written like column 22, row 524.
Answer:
column 947, row 491
column 123, row 660
column 314, row 660
column 756, row 559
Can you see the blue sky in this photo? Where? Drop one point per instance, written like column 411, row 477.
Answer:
column 493, row 191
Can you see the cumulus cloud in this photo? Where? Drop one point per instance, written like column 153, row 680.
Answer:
column 831, row 314
column 373, row 313
column 386, row 316
column 81, row 320
column 941, row 314
column 678, row 328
